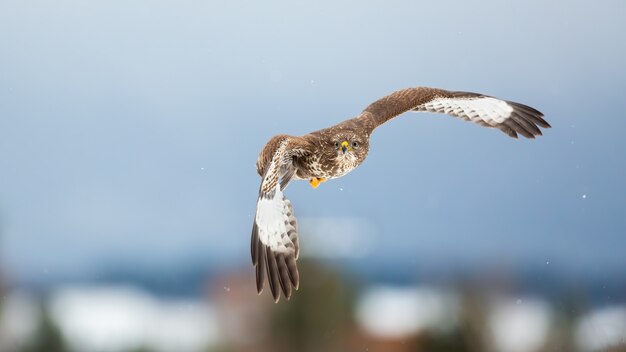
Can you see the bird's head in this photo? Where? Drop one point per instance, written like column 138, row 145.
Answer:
column 350, row 146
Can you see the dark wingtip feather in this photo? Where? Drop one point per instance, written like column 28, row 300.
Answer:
column 531, row 114
column 294, row 276
column 527, row 125
column 507, row 130
column 283, row 272
column 260, row 268
column 272, row 273
column 253, row 243
column 543, row 123
column 523, row 120
column 515, row 126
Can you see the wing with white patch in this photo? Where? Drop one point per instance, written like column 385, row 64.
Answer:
column 509, row 117
column 274, row 243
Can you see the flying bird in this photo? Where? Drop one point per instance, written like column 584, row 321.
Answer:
column 335, row 151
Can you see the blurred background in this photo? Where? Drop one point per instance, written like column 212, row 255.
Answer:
column 129, row 132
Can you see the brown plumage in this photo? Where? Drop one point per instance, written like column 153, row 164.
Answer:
column 333, row 152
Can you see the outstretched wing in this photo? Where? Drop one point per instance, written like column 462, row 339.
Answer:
column 274, row 243
column 509, row 117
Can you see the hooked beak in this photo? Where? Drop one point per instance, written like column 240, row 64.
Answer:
column 345, row 146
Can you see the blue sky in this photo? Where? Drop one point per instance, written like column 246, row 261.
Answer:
column 129, row 130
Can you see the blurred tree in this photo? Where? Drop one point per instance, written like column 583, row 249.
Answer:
column 568, row 308
column 319, row 317
column 454, row 341
column 47, row 336
column 473, row 320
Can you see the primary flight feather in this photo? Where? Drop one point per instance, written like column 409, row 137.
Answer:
column 334, row 151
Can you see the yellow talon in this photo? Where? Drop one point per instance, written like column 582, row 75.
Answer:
column 315, row 182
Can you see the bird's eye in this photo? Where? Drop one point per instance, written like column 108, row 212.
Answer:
column 355, row 145
column 336, row 144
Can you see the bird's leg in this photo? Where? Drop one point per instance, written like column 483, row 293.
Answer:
column 315, row 182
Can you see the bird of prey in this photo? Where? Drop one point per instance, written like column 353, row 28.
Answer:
column 334, row 151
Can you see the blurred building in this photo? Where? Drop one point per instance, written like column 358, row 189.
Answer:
column 18, row 320
column 110, row 318
column 119, row 318
column 603, row 329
